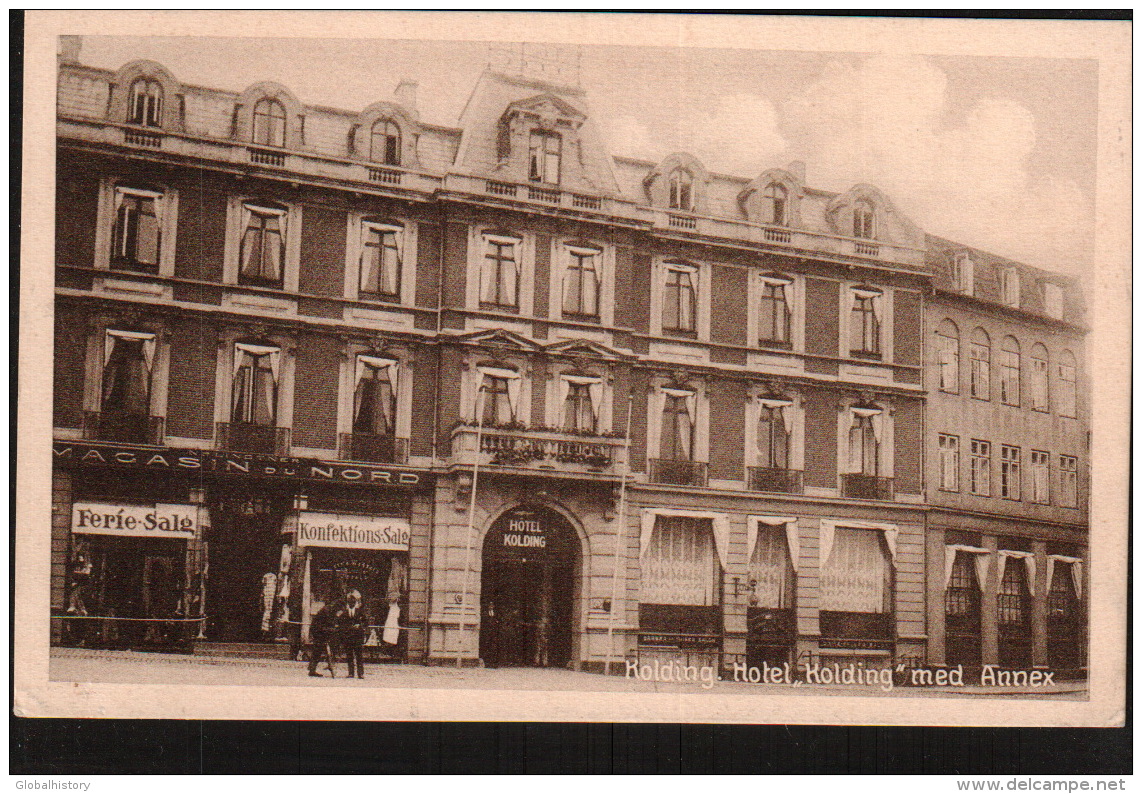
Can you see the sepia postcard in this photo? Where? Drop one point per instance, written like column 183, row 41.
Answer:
column 567, row 367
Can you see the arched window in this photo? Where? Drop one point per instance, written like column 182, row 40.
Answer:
column 864, row 219
column 1039, row 379
column 776, row 199
column 145, row 104
column 980, row 364
column 681, row 190
column 384, row 142
column 1068, row 387
column 948, row 340
column 1009, row 371
column 269, row 122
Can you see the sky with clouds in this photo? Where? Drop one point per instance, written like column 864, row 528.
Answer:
column 998, row 153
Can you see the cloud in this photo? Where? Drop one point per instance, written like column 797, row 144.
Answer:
column 739, row 135
column 628, row 137
column 958, row 171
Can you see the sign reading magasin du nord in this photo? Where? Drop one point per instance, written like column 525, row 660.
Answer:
column 231, row 463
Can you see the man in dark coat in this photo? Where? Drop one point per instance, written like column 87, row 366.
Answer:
column 352, row 625
column 321, row 635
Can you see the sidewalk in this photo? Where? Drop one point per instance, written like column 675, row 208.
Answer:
column 134, row 667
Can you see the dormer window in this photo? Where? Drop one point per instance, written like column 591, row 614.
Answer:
column 545, row 152
column 681, row 190
column 963, row 273
column 776, row 199
column 145, row 103
column 269, row 123
column 1009, row 285
column 384, row 142
column 864, row 219
column 1053, row 300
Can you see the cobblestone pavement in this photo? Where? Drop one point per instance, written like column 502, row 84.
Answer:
column 130, row 667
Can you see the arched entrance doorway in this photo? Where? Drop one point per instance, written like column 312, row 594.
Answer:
column 527, row 588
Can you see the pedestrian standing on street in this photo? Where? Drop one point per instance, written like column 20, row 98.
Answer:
column 321, row 635
column 352, row 624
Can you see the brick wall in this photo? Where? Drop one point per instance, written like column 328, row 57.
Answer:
column 729, row 290
column 201, row 235
column 423, row 394
column 820, row 439
column 727, row 420
column 190, row 400
column 908, row 440
column 455, row 263
column 542, row 274
column 638, row 383
column 315, row 391
column 323, row 251
column 906, row 328
column 427, row 264
column 636, row 301
column 822, row 323
column 77, row 197
column 449, row 397
column 69, row 364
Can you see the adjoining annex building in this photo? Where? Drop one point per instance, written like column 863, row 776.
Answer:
column 541, row 405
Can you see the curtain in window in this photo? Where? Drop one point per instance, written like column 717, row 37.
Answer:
column 772, row 548
column 374, row 397
column 263, row 242
column 864, row 321
column 380, row 260
column 582, row 398
column 255, row 381
column 581, row 282
column 855, row 576
column 146, row 103
column 679, row 300
column 128, row 359
column 499, row 274
column 138, row 225
column 774, row 428
column 678, row 562
column 865, row 435
column 678, row 416
column 980, row 557
column 504, row 384
column 773, row 202
column 773, row 310
column 1076, row 566
column 1028, row 561
column 269, row 122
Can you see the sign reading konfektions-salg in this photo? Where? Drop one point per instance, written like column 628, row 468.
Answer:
column 353, row 532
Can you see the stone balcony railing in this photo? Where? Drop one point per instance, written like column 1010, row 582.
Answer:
column 539, row 450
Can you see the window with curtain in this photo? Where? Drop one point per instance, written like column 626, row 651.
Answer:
column 856, row 576
column 269, row 122
column 498, row 404
column 864, row 219
column 776, row 198
column 864, row 323
column 962, row 596
column 374, row 398
column 1039, row 379
column 145, row 103
column 948, row 347
column 136, row 237
column 384, row 142
column 579, row 406
column 773, row 312
column 545, row 153
column 1068, row 481
column 680, row 564
column 128, row 359
column 380, row 273
column 1067, row 388
column 681, row 190
column 1040, row 477
column 949, row 462
column 772, row 436
column 581, row 283
column 864, row 446
column 980, row 467
column 262, row 250
column 771, row 575
column 1009, row 371
column 1010, row 475
column 499, row 274
column 677, row 437
column 680, row 299
column 1013, row 598
column 1062, row 596
column 980, row 365
column 255, row 385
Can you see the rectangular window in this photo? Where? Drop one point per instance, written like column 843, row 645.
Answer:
column 1013, row 596
column 137, row 234
column 579, row 411
column 127, row 362
column 680, row 300
column 980, row 467
column 1009, row 472
column 864, row 446
column 963, row 273
column 1009, row 377
column 544, row 155
column 677, row 439
column 255, row 385
column 1009, row 284
column 771, row 574
column 1053, row 300
column 374, row 399
column 980, row 371
column 864, row 323
column 1040, row 477
column 581, row 284
column 1067, row 390
column 1068, row 481
column 680, row 563
column 1039, row 388
column 262, row 253
column 949, row 462
column 499, row 402
column 949, row 364
column 380, row 271
column 856, row 575
column 774, row 314
column 499, row 274
column 772, row 438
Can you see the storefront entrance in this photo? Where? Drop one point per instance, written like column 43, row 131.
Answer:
column 245, row 559
column 530, row 563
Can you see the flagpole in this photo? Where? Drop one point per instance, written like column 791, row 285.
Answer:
column 620, row 533
column 471, row 527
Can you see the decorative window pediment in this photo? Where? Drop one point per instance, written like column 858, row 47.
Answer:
column 386, row 134
column 268, row 114
column 678, row 183
column 773, row 198
column 144, row 93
